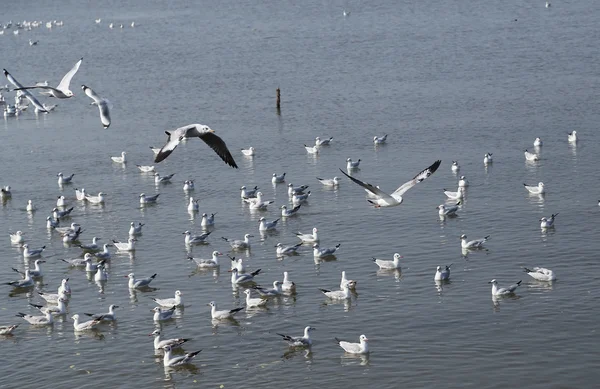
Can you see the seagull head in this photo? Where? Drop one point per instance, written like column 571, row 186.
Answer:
column 494, row 282
column 463, row 236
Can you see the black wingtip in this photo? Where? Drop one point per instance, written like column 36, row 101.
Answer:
column 519, row 283
column 526, row 270
column 154, row 275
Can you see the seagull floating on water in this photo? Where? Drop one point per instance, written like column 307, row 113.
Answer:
column 135, row 229
column 161, row 343
column 503, row 291
column 455, row 167
column 285, row 212
column 17, row 237
column 254, row 302
column 44, row 320
column 462, row 182
column 222, row 315
column 193, row 205
column 146, row 168
column 207, row 220
column 206, row 263
column 299, row 341
column 249, row 152
column 170, row 361
column 109, row 316
column 458, row 195
column 343, row 294
column 350, row 165
column 32, row 253
column 287, row 250
column 121, row 159
column 239, row 244
column 139, row 283
column 8, row 330
column 312, row 149
column 176, row 301
column 473, row 244
column 248, row 193
column 531, row 156
column 148, row 199
column 385, row 264
column 309, row 238
column 329, row 181
column 538, row 142
column 442, row 275
column 382, row 199
column 324, row 252
column 572, row 137
column 548, row 222
column 26, row 282
column 379, row 140
column 487, row 159
column 355, row 348
column 188, row 185
column 85, row 326
column 277, row 179
column 163, row 314
column 267, row 225
column 62, row 180
column 541, row 274
column 122, row 246
column 537, row 189
column 444, row 210
column 237, row 278
column 158, row 179
column 288, row 286
column 323, row 142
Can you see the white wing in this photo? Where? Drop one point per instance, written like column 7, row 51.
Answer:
column 418, row 178
column 66, row 80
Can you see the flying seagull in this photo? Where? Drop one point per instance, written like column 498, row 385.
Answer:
column 62, row 91
column 382, row 199
column 101, row 103
column 196, row 131
column 26, row 93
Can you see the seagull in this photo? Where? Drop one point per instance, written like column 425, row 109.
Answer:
column 30, row 207
column 101, row 274
column 237, row 264
column 7, row 330
column 312, row 149
column 196, row 239
column 193, row 205
column 177, row 301
column 329, row 181
column 538, row 189
column 473, row 244
column 442, row 275
column 462, row 182
column 548, row 5
column 62, row 91
column 355, row 348
column 394, row 264
column 455, row 167
column 254, row 302
column 5, row 192
column 278, row 179
column 135, row 230
column 323, row 142
column 51, row 222
column 25, row 92
column 26, row 282
column 169, row 361
column 61, row 201
column 109, row 316
column 531, row 156
column 62, row 180
column 258, row 202
column 345, row 281
column 148, row 199
column 538, row 142
column 343, row 294
column 86, row 261
column 237, row 278
column 64, row 286
column 139, row 283
column 287, row 286
column 267, row 225
column 458, row 195
column 33, row 43
column 289, row 212
column 487, row 159
column 248, row 193
column 47, row 319
column 67, row 230
column 572, row 137
column 80, row 194
column 99, row 199
column 17, row 237
column 129, row 246
column 239, row 244
column 32, row 253
column 160, row 343
column 299, row 341
column 206, row 263
column 104, row 254
column 162, row 180
column 102, row 103
column 379, row 140
column 548, row 222
column 52, row 298
column 59, row 309
column 298, row 199
column 297, row 190
column 541, row 274
column 351, row 165
column 146, row 168
column 274, row 292
column 163, row 314
column 85, row 326
column 324, row 252
column 37, row 270
column 287, row 250
column 121, row 159
column 59, row 214
column 201, row 131
column 222, row 315
column 503, row 291
column 309, row 238
column 207, row 220
column 249, row 152
column 444, row 210
column 383, row 199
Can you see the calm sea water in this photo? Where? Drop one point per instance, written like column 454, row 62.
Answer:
column 445, row 80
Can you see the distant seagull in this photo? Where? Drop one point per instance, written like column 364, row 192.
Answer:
column 531, row 156
column 312, row 149
column 63, row 180
column 309, row 238
column 458, row 195
column 135, row 229
column 288, row 286
column 385, row 264
column 207, row 220
column 323, row 142
column 102, row 103
column 287, row 250
column 455, row 166
column 201, row 131
column 355, row 348
column 537, row 189
column 444, row 210
column 383, row 199
column 329, row 181
column 17, row 237
column 343, row 294
column 193, row 205
column 7, row 330
column 277, row 179
column 195, row 239
column 548, row 5
column 111, row 25
column 285, row 212
column 188, row 185
column 541, row 274
column 62, row 91
column 442, row 275
column 572, row 137
column 473, row 244
column 497, row 292
column 26, row 93
column 176, row 301
column 98, row 21
column 379, row 140
column 121, row 159
column 160, row 343
column 538, row 142
column 248, row 193
column 249, row 152
column 146, row 168
column 548, row 222
column 346, row 13
column 207, row 263
column 99, row 199
column 299, row 341
column 158, row 179
column 319, row 252
column 462, row 182
column 487, row 159
column 351, row 165
column 239, row 244
column 33, row 43
column 265, row 225
column 140, row 282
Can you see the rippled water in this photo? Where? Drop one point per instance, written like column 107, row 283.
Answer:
column 447, row 81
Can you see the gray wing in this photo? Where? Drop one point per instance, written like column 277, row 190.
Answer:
column 29, row 96
column 371, row 188
column 104, row 113
column 218, row 145
column 418, row 178
column 66, row 80
column 167, row 149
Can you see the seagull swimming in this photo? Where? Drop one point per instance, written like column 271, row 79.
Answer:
column 355, row 348
column 541, row 274
column 122, row 246
column 473, row 244
column 237, row 264
column 458, row 195
column 37, row 270
column 158, row 179
column 278, row 179
column 17, row 237
column 163, row 314
column 62, row 91
column 287, row 250
column 309, row 238
column 267, row 225
column 80, row 194
column 289, row 212
column 249, row 152
column 139, row 283
column 299, row 341
column 444, row 210
column 323, row 142
column 62, row 180
column 206, row 263
column 237, row 278
column 32, row 253
column 538, row 142
column 26, row 282
column 324, row 252
column 455, row 167
column 59, row 309
column 297, row 190
column 274, row 292
column 329, row 181
column 148, row 199
column 201, row 131
column 383, row 199
column 121, row 159
column 104, row 254
column 102, row 103
column 176, row 301
column 146, row 168
column 254, row 302
column 101, row 274
column 85, row 326
column 531, row 156
column 343, row 294
column 442, row 275
column 350, row 165
column 222, row 315
column 548, row 222
column 288, row 286
column 161, row 343
column 384, row 264
column 379, row 140
column 239, row 244
column 537, row 189
column 462, row 182
column 572, row 137
column 169, row 361
column 312, row 149
column 135, row 229
column 207, row 220
column 248, row 193
column 503, row 291
column 188, row 185
column 99, row 199
column 7, row 330
column 109, row 316
column 45, row 320
column 487, row 159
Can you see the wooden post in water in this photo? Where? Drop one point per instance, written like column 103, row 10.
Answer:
column 278, row 100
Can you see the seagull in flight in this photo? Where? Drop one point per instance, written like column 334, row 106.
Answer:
column 62, row 91
column 382, row 199
column 103, row 105
column 201, row 131
column 25, row 92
